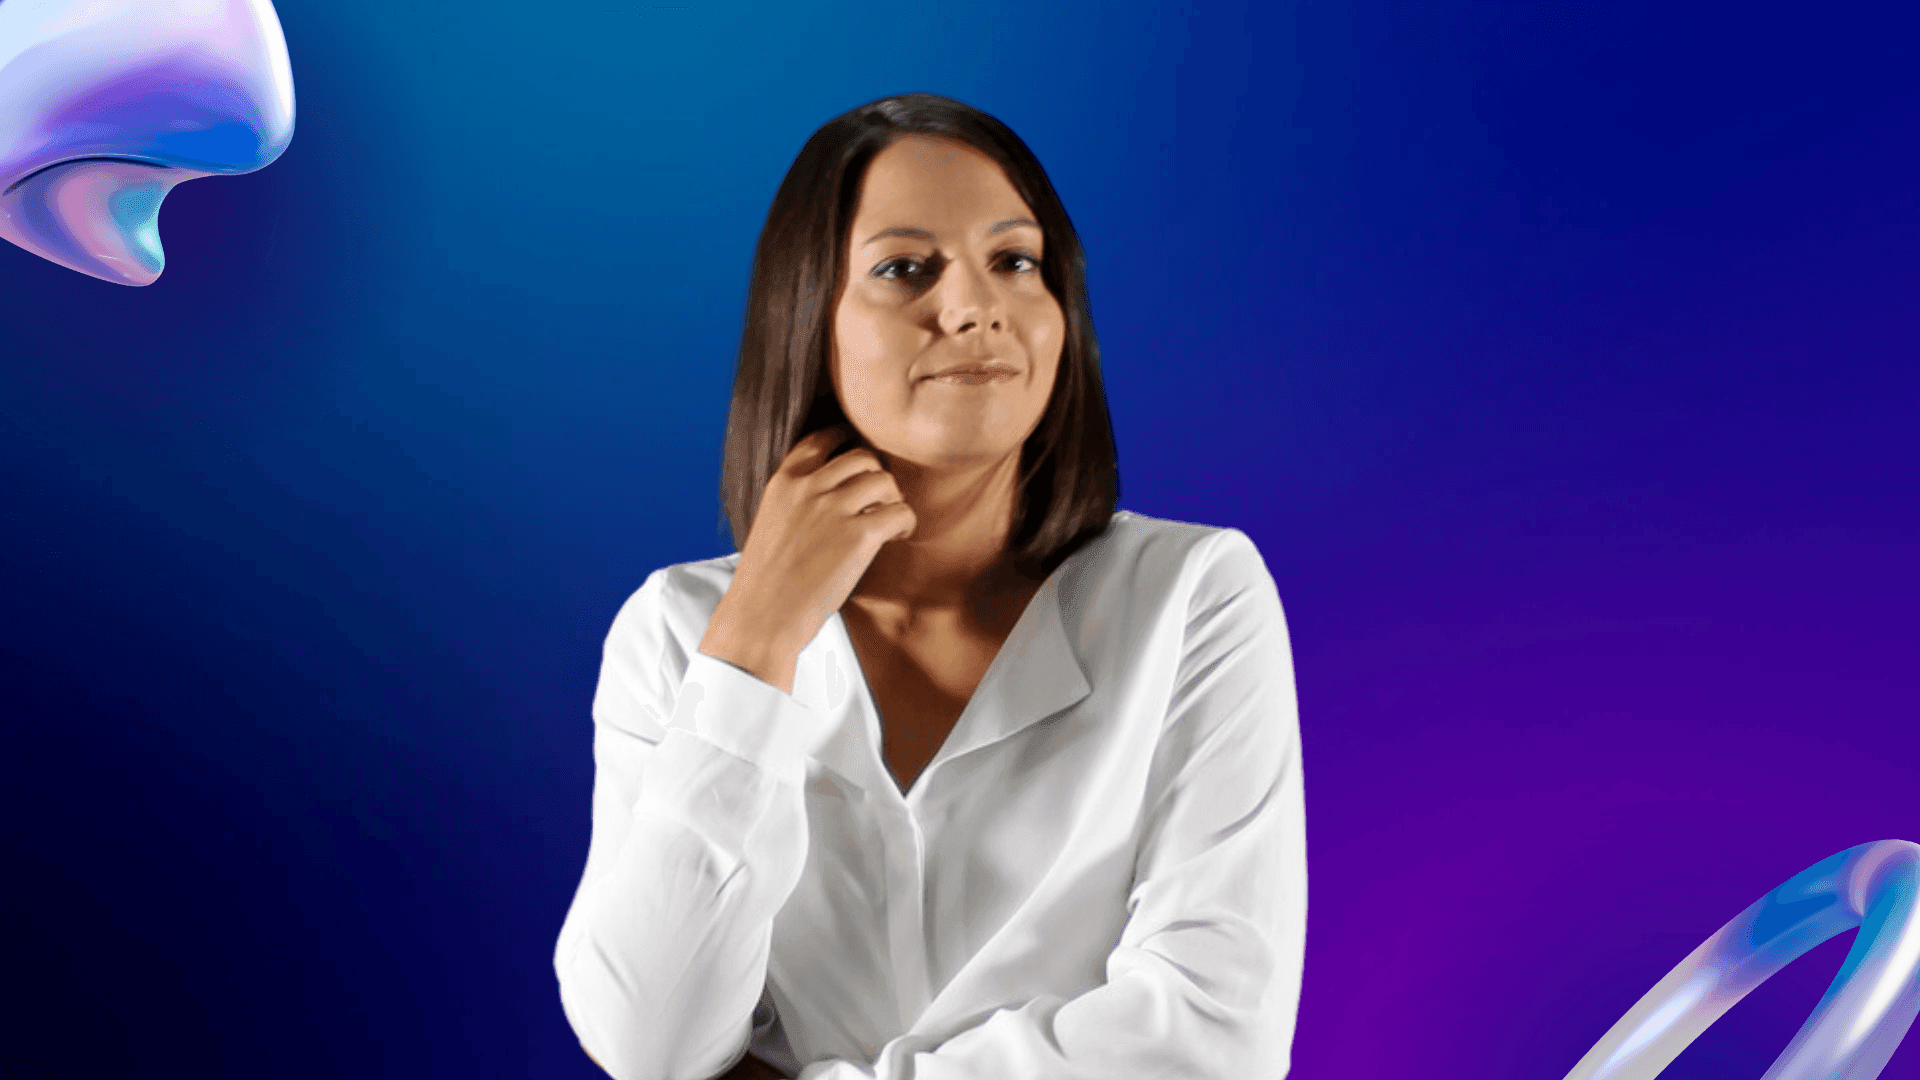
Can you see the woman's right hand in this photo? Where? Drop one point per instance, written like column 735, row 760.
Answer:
column 818, row 527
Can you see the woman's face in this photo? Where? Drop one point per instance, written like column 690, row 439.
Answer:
column 943, row 270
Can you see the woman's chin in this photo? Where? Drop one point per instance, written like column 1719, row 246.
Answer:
column 959, row 453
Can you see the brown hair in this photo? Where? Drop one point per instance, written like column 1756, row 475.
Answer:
column 1069, row 468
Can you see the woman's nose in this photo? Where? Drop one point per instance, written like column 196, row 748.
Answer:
column 970, row 302
column 105, row 105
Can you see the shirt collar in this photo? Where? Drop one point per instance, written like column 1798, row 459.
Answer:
column 1035, row 675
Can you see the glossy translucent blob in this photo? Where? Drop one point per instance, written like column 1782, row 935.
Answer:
column 105, row 105
column 1858, row 1023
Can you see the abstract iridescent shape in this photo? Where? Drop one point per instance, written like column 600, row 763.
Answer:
column 1866, row 1011
column 105, row 105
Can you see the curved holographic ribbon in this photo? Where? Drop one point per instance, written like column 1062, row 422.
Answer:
column 1857, row 1024
column 105, row 105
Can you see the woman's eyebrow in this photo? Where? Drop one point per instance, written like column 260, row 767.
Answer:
column 922, row 234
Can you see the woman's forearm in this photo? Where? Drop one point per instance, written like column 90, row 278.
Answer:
column 663, row 954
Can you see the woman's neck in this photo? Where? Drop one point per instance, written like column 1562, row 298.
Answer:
column 954, row 564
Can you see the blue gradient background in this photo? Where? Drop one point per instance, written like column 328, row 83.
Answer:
column 1561, row 363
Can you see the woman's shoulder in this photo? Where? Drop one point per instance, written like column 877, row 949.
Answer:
column 1145, row 570
column 1176, row 551
column 1210, row 582
column 1145, row 528
column 677, row 599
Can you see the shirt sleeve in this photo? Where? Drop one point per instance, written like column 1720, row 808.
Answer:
column 698, row 836
column 1205, row 983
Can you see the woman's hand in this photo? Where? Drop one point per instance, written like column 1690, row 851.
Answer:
column 819, row 525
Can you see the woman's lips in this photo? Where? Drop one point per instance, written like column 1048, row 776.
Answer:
column 974, row 376
column 976, row 373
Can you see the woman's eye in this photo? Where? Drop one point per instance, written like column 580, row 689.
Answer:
column 906, row 269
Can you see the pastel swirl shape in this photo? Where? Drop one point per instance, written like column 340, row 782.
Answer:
column 1858, row 1023
column 105, row 105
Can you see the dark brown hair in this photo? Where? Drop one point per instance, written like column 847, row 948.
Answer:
column 1069, row 468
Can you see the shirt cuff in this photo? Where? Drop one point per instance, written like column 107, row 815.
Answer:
column 748, row 717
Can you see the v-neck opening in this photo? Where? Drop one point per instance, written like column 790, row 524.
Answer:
column 876, row 730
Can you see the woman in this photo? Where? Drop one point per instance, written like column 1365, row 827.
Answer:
column 952, row 770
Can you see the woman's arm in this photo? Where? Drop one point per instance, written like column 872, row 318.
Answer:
column 1205, row 982
column 699, row 835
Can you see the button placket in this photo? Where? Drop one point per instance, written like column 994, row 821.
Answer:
column 905, row 912
column 903, row 847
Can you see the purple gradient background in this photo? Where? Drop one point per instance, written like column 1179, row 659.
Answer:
column 1561, row 363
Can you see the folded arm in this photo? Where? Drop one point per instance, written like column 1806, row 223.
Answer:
column 699, row 835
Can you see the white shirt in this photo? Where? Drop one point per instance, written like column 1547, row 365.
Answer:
column 1101, row 874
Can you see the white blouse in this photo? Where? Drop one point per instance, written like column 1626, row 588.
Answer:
column 1101, row 874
